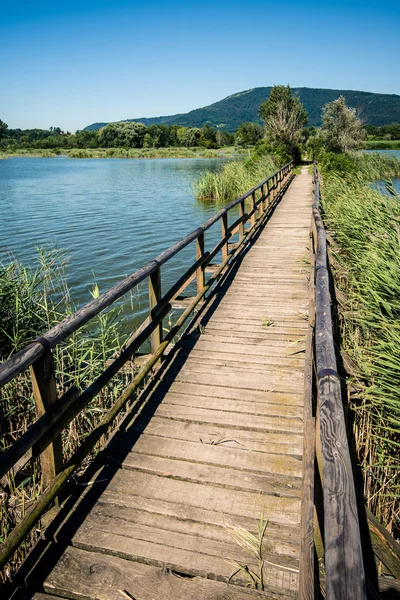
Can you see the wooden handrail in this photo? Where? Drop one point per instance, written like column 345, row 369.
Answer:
column 42, row 437
column 345, row 578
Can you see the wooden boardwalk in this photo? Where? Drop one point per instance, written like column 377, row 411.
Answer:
column 216, row 445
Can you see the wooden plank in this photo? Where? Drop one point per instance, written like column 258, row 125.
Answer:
column 230, row 393
column 246, row 439
column 231, row 419
column 96, row 576
column 218, row 455
column 276, row 345
column 287, row 535
column 273, row 366
column 273, row 380
column 231, row 363
column 237, row 406
column 123, row 454
column 274, row 331
column 278, row 510
column 254, row 354
column 125, row 530
column 306, row 569
column 256, row 320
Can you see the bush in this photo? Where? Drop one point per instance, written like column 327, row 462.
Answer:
column 341, row 164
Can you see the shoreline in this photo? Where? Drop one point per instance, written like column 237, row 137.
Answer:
column 131, row 153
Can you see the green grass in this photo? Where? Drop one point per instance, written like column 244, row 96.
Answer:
column 382, row 144
column 365, row 227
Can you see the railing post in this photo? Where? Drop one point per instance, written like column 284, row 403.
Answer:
column 253, row 206
column 262, row 203
column 154, row 298
column 241, row 225
column 45, row 394
column 200, row 274
column 224, row 226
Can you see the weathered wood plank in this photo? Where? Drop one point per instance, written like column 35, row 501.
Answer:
column 218, row 455
column 246, row 439
column 217, row 475
column 277, row 510
column 240, row 421
column 96, row 576
column 243, row 407
column 230, row 393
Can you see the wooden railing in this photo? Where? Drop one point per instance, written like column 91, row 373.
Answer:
column 345, row 578
column 43, row 437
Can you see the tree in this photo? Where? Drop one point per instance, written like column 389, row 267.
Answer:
column 148, row 141
column 208, row 136
column 3, row 129
column 247, row 134
column 284, row 117
column 125, row 134
column 341, row 129
column 193, row 136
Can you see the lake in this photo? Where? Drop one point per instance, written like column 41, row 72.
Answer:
column 110, row 215
column 396, row 180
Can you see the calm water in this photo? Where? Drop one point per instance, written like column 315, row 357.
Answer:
column 396, row 180
column 110, row 215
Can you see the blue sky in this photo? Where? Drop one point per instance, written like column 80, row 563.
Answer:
column 69, row 63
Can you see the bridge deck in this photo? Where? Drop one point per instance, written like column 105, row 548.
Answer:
column 217, row 445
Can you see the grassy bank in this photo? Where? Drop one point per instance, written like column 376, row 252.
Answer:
column 382, row 145
column 365, row 227
column 234, row 179
column 227, row 152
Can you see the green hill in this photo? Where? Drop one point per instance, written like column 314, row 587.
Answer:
column 229, row 113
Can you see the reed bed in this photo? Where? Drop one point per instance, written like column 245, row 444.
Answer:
column 181, row 152
column 365, row 250
column 32, row 301
column 234, row 179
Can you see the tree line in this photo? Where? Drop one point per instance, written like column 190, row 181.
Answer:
column 129, row 135
column 284, row 134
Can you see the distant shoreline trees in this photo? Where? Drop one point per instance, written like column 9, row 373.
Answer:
column 125, row 134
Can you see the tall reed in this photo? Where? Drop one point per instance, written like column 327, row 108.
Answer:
column 32, row 301
column 234, row 179
column 365, row 227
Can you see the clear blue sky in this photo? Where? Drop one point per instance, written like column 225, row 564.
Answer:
column 69, row 63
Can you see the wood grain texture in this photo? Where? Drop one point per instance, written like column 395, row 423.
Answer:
column 45, row 395
column 345, row 579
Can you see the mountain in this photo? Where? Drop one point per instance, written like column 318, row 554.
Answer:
column 229, row 113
